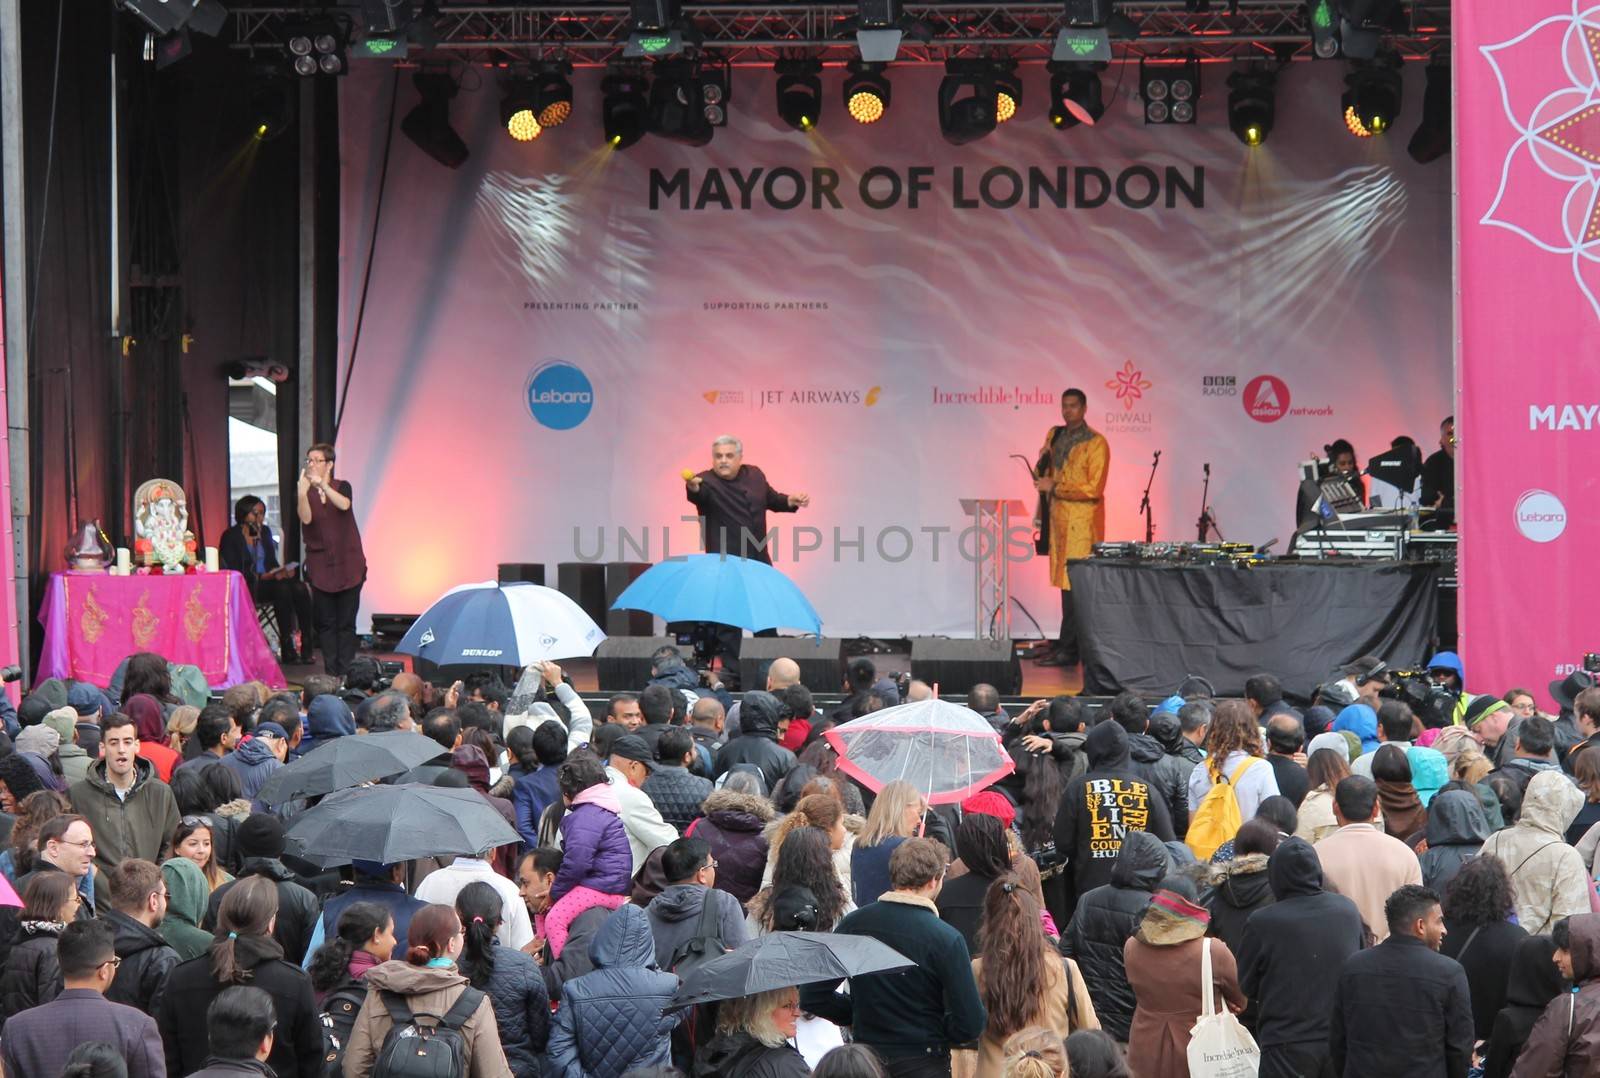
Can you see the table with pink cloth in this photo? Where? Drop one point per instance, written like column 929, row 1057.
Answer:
column 92, row 621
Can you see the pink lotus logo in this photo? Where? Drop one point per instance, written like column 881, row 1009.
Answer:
column 1266, row 399
column 1541, row 516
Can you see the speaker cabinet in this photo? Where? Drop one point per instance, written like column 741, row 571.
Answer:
column 521, row 572
column 957, row 665
column 584, row 583
column 821, row 661
column 619, row 574
column 623, row 662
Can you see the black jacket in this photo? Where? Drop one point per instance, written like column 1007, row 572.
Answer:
column 31, row 975
column 298, row 908
column 1239, row 888
column 757, row 742
column 1291, row 951
column 907, row 1012
column 297, row 1040
column 740, row 1055
column 146, row 961
column 960, row 905
column 233, row 1068
column 1166, row 774
column 677, row 794
column 233, row 551
column 1401, row 1010
column 1100, row 806
column 1106, row 919
column 735, row 511
column 1456, row 829
column 1532, row 982
column 521, row 1010
column 1293, row 782
column 1485, row 952
column 574, row 961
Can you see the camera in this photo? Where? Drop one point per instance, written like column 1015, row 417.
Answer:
column 8, row 674
column 1591, row 665
column 1433, row 704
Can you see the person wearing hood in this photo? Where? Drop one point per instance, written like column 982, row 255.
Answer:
column 261, row 844
column 131, row 812
column 1241, row 886
column 1106, row 918
column 690, row 906
column 138, row 903
column 327, row 718
column 74, row 759
column 752, row 1040
column 615, row 1019
column 596, row 866
column 256, row 758
column 1104, row 804
column 1289, row 958
column 1166, row 774
column 1456, row 829
column 1550, row 879
column 1533, row 981
column 757, row 742
column 150, row 719
column 429, row 983
column 1167, row 728
column 187, row 894
column 1481, row 935
column 734, row 828
column 1163, row 959
column 1362, row 721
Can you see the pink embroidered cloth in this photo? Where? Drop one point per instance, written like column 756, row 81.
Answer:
column 92, row 621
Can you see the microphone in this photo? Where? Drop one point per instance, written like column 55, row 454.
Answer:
column 1208, row 470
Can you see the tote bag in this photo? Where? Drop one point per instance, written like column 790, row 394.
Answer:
column 1219, row 1047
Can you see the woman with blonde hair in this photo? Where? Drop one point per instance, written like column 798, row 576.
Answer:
column 753, row 1038
column 180, row 727
column 896, row 815
column 1035, row 1053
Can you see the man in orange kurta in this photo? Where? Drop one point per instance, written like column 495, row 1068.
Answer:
column 1076, row 460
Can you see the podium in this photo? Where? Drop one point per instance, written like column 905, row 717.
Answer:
column 992, row 521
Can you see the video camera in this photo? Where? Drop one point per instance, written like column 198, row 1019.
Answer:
column 1432, row 703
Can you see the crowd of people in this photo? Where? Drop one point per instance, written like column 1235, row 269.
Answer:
column 1370, row 895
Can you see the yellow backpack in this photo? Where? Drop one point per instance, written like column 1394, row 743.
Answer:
column 1217, row 819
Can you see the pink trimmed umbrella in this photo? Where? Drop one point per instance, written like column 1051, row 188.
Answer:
column 8, row 894
column 948, row 752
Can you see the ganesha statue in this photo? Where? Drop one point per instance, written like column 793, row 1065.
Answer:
column 161, row 535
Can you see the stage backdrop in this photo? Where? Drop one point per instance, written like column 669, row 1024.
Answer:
column 1528, row 150
column 554, row 331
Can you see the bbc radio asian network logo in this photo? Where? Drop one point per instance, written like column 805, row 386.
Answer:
column 1541, row 516
column 559, row 395
column 1266, row 399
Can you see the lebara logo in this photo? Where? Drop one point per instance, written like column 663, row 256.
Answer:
column 1540, row 516
column 1266, row 399
column 559, row 395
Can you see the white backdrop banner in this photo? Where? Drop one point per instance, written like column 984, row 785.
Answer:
column 555, row 330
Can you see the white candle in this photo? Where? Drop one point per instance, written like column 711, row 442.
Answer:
column 211, row 559
column 124, row 561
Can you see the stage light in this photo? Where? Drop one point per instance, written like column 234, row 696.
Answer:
column 1364, row 23
column 1251, row 103
column 878, row 30
column 688, row 102
column 169, row 16
column 553, row 94
column 1170, row 89
column 657, row 29
column 317, row 48
column 967, row 100
column 1008, row 90
column 1324, row 30
column 387, row 18
column 1076, row 96
column 1432, row 138
column 866, row 92
column 269, row 109
column 1087, row 37
column 1371, row 98
column 519, row 112
column 623, row 107
column 428, row 124
column 799, row 92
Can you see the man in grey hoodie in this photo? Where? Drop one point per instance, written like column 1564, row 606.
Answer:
column 675, row 914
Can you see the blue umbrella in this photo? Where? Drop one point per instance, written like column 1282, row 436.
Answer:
column 501, row 625
column 721, row 588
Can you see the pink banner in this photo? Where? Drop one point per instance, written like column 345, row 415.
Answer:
column 1528, row 160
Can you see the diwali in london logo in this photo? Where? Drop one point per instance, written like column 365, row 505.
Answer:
column 1129, row 385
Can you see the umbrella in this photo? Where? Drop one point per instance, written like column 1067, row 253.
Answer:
column 348, row 761
column 8, row 894
column 721, row 588
column 784, row 960
column 947, row 751
column 390, row 824
column 502, row 625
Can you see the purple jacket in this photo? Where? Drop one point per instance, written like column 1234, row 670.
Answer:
column 595, row 845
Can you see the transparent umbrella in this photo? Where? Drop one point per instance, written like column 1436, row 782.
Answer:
column 945, row 750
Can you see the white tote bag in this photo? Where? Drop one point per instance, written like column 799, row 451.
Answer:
column 1219, row 1047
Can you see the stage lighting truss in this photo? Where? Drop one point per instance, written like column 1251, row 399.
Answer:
column 1076, row 94
column 968, row 100
column 799, row 93
column 866, row 91
column 1252, row 106
column 1371, row 99
column 624, row 106
column 1170, row 90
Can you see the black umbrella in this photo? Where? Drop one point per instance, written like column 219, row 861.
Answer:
column 349, row 761
column 784, row 960
column 390, row 824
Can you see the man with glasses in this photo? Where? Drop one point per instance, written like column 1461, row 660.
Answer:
column 66, row 844
column 675, row 914
column 39, row 1040
column 138, row 903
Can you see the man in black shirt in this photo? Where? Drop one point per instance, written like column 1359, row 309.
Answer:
column 1439, row 473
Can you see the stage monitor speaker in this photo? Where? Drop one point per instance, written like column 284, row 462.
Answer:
column 514, row 572
column 619, row 574
column 623, row 662
column 957, row 665
column 821, row 661
column 584, row 582
column 393, row 626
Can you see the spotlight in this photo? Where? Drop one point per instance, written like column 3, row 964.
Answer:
column 623, row 107
column 1251, row 104
column 269, row 110
column 866, row 92
column 1170, row 89
column 553, row 95
column 1008, row 90
column 1075, row 94
column 658, row 29
column 716, row 90
column 1371, row 99
column 519, row 112
column 799, row 92
column 317, row 48
column 686, row 103
column 1432, row 140
column 967, row 100
column 428, row 124
column 1324, row 30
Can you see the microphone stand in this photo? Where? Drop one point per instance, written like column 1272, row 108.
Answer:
column 1207, row 522
column 1144, row 504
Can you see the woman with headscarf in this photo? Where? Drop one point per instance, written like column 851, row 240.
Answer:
column 1403, row 814
column 1163, row 961
column 1326, row 767
column 1533, row 980
column 981, row 845
column 151, row 722
column 1456, row 829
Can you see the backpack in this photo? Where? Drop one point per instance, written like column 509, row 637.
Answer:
column 1218, row 817
column 339, row 1010
column 437, row 1050
column 704, row 945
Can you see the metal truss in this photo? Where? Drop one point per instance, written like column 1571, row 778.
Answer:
column 742, row 33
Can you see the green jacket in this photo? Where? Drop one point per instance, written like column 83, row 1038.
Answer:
column 186, row 908
column 139, row 826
